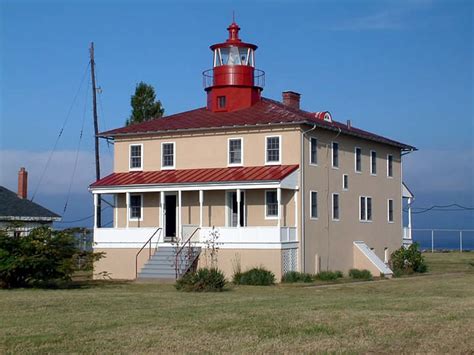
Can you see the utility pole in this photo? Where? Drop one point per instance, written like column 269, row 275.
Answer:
column 96, row 131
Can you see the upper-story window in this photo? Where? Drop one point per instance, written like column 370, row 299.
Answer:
column 273, row 150
column 390, row 165
column 373, row 162
column 136, row 157
column 313, row 151
column 168, row 155
column 390, row 210
column 358, row 160
column 235, row 151
column 345, row 182
column 335, row 154
column 365, row 209
column 221, row 101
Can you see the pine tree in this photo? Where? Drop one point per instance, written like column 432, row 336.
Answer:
column 144, row 105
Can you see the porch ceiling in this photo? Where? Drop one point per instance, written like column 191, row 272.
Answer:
column 169, row 178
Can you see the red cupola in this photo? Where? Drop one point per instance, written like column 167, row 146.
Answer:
column 233, row 83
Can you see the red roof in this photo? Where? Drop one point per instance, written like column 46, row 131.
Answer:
column 192, row 176
column 264, row 112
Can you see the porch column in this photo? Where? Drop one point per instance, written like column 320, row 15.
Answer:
column 201, row 200
column 279, row 206
column 409, row 218
column 116, row 224
column 179, row 215
column 238, row 208
column 295, row 199
column 127, row 207
column 96, row 202
column 162, row 210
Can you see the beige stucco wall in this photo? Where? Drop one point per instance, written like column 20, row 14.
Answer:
column 332, row 240
column 361, row 262
column 207, row 149
column 120, row 263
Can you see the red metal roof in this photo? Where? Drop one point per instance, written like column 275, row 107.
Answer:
column 264, row 112
column 193, row 176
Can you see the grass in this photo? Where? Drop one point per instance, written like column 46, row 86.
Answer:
column 433, row 313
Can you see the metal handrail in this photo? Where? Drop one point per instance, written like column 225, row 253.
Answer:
column 208, row 78
column 188, row 241
column 149, row 249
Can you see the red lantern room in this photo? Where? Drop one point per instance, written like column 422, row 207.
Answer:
column 233, row 83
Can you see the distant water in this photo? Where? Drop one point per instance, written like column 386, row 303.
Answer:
column 444, row 240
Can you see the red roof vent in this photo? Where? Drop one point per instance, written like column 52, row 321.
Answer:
column 324, row 116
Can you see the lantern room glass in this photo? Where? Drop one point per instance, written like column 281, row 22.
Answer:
column 234, row 55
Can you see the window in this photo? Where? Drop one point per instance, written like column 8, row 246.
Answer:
column 390, row 211
column 235, row 151
column 136, row 156
column 358, row 160
column 365, row 209
column 390, row 165
column 345, row 182
column 335, row 207
column 373, row 162
column 314, row 204
column 271, row 204
column 167, row 156
column 313, row 151
column 135, row 207
column 221, row 101
column 335, row 155
column 273, row 150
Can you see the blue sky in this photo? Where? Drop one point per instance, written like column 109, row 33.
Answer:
column 403, row 69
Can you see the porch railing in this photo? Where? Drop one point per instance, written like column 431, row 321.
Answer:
column 149, row 243
column 188, row 257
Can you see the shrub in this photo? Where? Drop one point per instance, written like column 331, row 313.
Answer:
column 43, row 258
column 258, row 276
column 408, row 260
column 329, row 275
column 295, row 276
column 203, row 280
column 360, row 274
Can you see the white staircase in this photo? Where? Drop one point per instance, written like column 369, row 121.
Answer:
column 373, row 259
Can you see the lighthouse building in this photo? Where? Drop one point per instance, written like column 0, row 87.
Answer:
column 262, row 181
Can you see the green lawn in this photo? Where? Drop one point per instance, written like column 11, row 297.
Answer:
column 430, row 313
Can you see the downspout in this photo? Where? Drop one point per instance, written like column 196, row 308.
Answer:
column 302, row 189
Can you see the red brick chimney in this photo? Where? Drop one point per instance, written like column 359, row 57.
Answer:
column 22, row 183
column 291, row 98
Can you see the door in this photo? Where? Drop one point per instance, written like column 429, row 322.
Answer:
column 232, row 209
column 170, row 216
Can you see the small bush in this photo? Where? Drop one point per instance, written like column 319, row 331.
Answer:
column 408, row 260
column 258, row 276
column 360, row 274
column 329, row 275
column 295, row 276
column 203, row 280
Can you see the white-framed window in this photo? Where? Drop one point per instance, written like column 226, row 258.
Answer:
column 313, row 202
column 136, row 157
column 358, row 160
column 373, row 162
column 365, row 209
column 345, row 182
column 271, row 204
column 389, row 165
column 335, row 207
column 390, row 210
column 135, row 209
column 235, row 151
column 273, row 150
column 335, row 155
column 168, row 155
column 313, row 151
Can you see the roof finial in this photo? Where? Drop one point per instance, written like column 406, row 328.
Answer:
column 233, row 16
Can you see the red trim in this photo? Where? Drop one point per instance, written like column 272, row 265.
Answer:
column 193, row 176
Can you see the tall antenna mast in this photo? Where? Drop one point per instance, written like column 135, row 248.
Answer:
column 96, row 131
